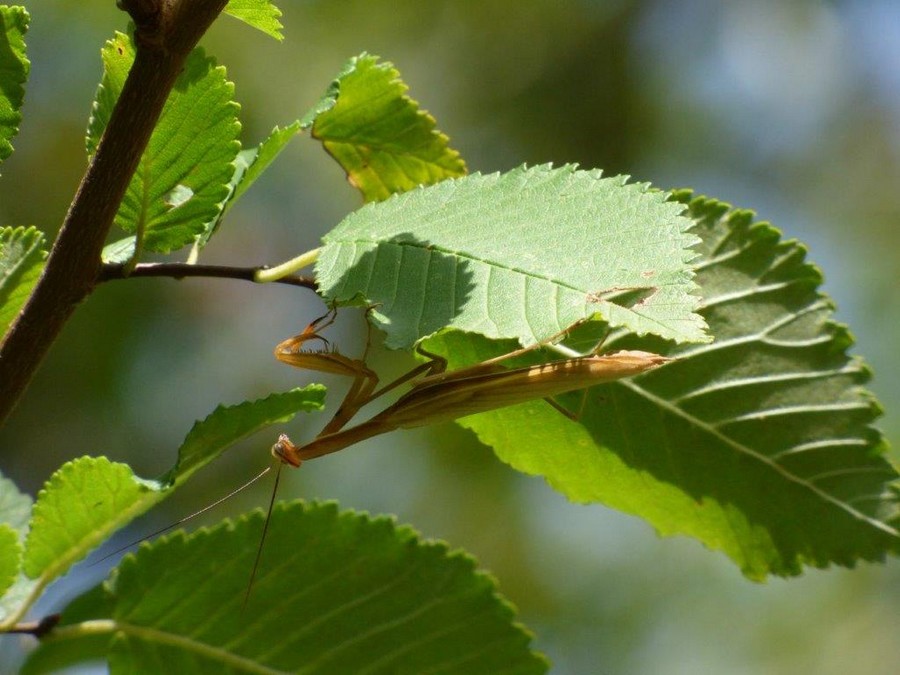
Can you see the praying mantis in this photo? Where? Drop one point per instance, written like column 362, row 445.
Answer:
column 441, row 395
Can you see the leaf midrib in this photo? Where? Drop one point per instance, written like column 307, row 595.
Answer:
column 768, row 461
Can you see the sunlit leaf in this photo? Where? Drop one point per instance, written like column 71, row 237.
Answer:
column 335, row 593
column 758, row 445
column 21, row 263
column 520, row 255
column 261, row 14
column 14, row 68
column 10, row 557
column 89, row 498
column 381, row 138
column 79, row 507
column 183, row 177
column 15, row 511
column 228, row 424
column 15, row 506
column 249, row 165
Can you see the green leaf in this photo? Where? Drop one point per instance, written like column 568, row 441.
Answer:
column 13, row 74
column 183, row 178
column 15, row 511
column 328, row 99
column 520, row 255
column 81, row 504
column 15, row 506
column 89, row 498
column 380, row 137
column 335, row 593
column 261, row 14
column 10, row 557
column 21, row 264
column 249, row 165
column 118, row 252
column 227, row 425
column 758, row 445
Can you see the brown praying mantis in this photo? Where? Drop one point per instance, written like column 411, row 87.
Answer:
column 442, row 395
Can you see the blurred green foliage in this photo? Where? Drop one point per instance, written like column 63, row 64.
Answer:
column 787, row 108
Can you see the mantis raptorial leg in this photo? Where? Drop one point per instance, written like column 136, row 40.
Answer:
column 291, row 351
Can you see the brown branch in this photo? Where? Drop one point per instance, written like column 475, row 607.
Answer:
column 167, row 31
column 182, row 270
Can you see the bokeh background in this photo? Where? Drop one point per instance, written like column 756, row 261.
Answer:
column 792, row 109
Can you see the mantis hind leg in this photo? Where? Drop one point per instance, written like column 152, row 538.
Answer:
column 568, row 414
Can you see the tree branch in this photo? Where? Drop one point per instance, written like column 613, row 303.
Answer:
column 167, row 31
column 182, row 270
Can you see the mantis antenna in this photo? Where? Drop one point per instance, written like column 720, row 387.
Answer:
column 186, row 518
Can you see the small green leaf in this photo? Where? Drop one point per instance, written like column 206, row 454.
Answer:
column 520, row 255
column 335, row 593
column 261, row 14
column 21, row 264
column 13, row 74
column 183, row 178
column 758, row 445
column 15, row 511
column 89, row 498
column 327, row 101
column 118, row 252
column 227, row 425
column 10, row 557
column 15, row 506
column 380, row 137
column 249, row 165
column 79, row 507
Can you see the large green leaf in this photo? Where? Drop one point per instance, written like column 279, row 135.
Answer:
column 89, row 498
column 758, row 444
column 335, row 593
column 13, row 74
column 261, row 14
column 520, row 255
column 183, row 177
column 21, row 263
column 379, row 136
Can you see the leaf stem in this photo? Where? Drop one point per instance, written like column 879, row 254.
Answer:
column 284, row 269
column 182, row 270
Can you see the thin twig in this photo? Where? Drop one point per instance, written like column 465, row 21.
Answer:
column 183, row 270
column 37, row 628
